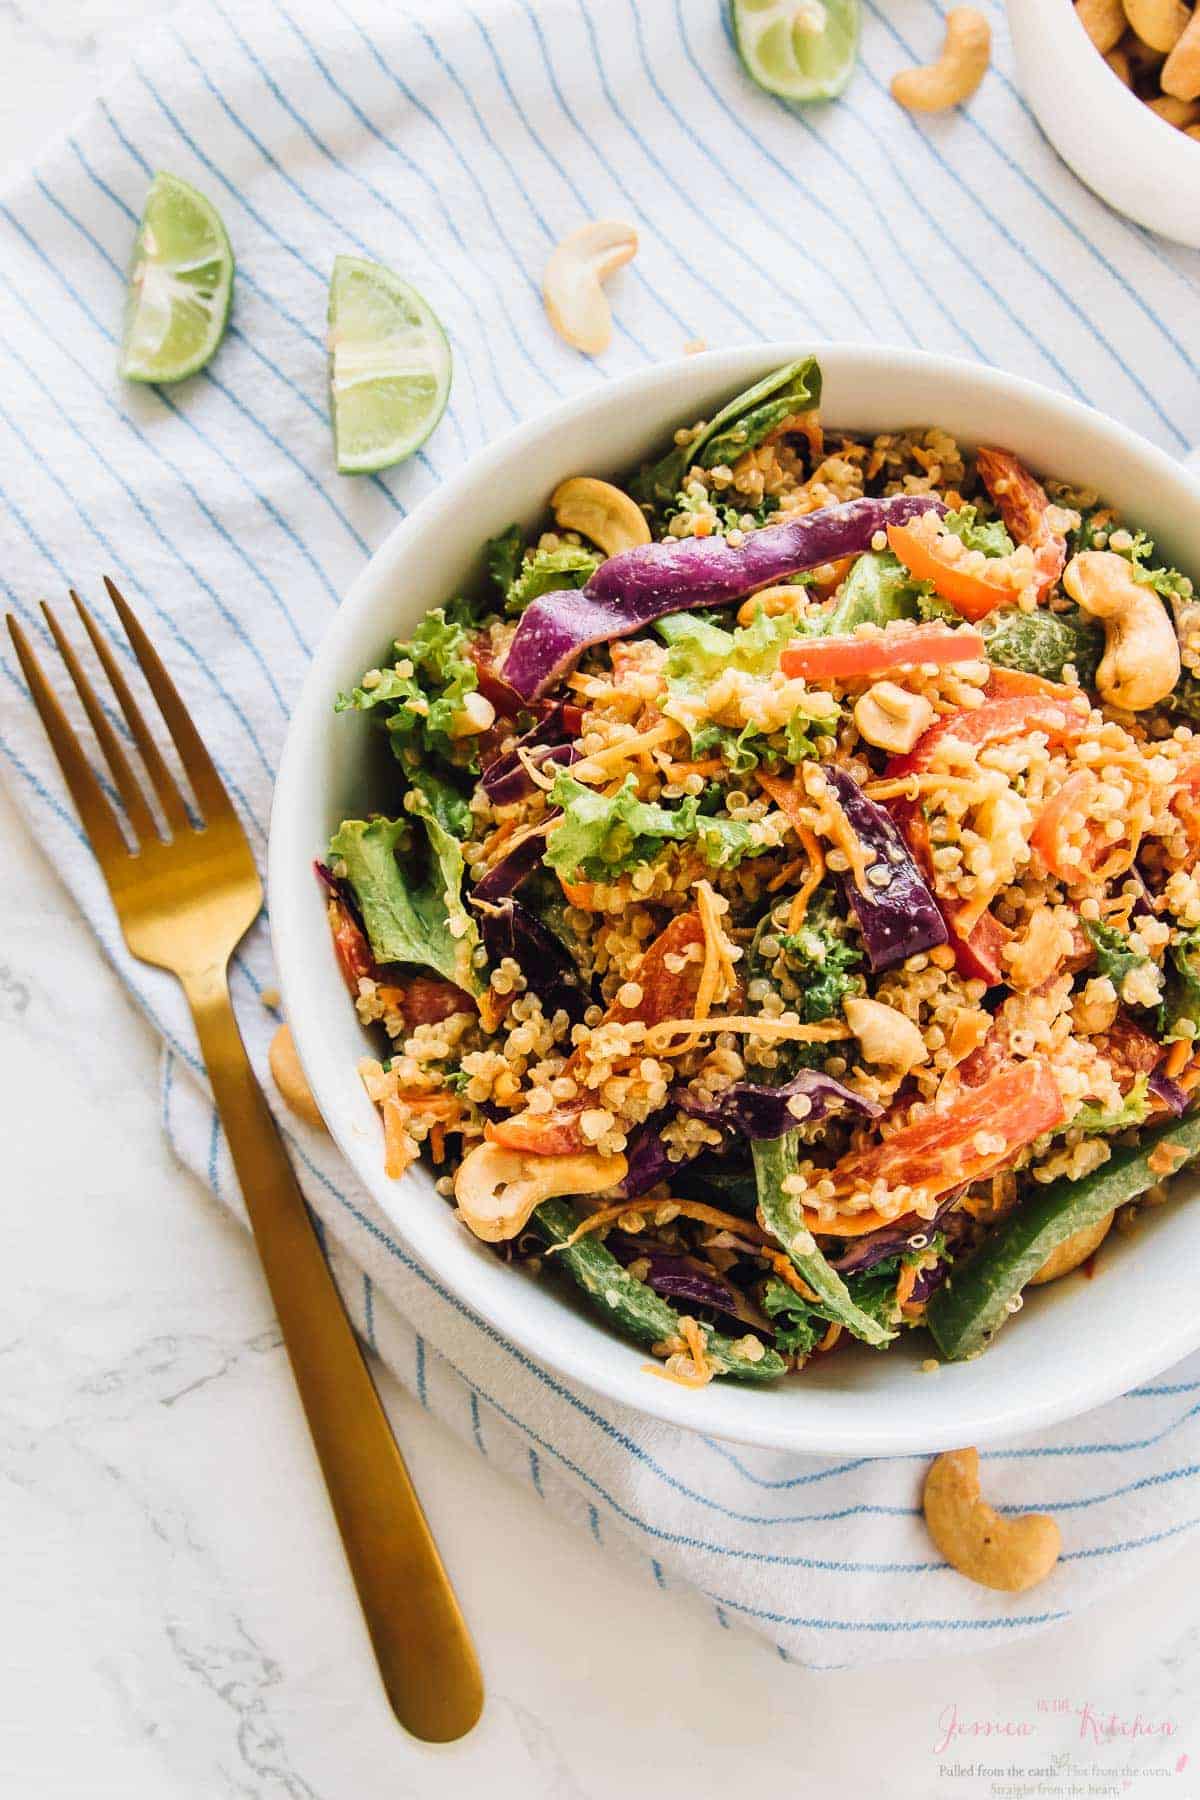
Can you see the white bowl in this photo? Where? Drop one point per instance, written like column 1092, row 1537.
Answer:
column 1112, row 140
column 1077, row 1343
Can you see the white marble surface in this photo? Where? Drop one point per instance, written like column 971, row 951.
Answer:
column 177, row 1621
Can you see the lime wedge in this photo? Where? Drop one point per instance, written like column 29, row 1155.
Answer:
column 798, row 49
column 180, row 285
column 389, row 366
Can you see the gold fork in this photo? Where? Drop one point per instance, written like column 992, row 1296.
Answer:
column 184, row 905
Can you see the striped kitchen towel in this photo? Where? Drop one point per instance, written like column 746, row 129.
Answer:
column 458, row 144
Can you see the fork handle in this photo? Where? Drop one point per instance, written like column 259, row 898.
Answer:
column 421, row 1641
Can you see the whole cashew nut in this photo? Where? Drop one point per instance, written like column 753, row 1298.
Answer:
column 1010, row 1554
column 497, row 1189
column 1071, row 1252
column 1159, row 23
column 1104, row 21
column 291, row 1080
column 599, row 511
column 891, row 718
column 1181, row 71
column 957, row 72
column 1141, row 661
column 886, row 1036
column 1183, row 114
column 571, row 285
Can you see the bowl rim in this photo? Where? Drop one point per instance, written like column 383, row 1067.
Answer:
column 500, row 1310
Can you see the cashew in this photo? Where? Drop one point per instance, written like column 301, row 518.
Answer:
column 1181, row 71
column 1180, row 113
column 891, row 718
column 958, row 71
column 1104, row 21
column 600, row 511
column 1118, row 62
column 497, row 1189
column 885, row 1035
column 476, row 714
column 291, row 1080
column 575, row 300
column 1192, row 131
column 1159, row 23
column 1072, row 1251
column 1035, row 953
column 1010, row 1554
column 1141, row 662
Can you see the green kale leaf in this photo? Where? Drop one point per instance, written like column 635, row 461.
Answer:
column 1114, row 955
column 822, row 960
column 1179, row 1015
column 1043, row 643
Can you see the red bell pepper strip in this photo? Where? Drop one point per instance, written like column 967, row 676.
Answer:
column 846, row 658
column 1024, row 506
column 666, row 994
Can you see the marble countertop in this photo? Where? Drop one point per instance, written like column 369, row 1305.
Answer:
column 178, row 1622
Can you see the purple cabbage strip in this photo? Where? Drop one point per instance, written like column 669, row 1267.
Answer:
column 894, row 1239
column 510, row 929
column 674, row 1276
column 900, row 916
column 1173, row 1097
column 507, row 779
column 647, row 1162
column 516, row 866
column 759, row 1111
column 637, row 586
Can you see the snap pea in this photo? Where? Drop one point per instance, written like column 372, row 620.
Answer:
column 632, row 1305
column 973, row 1302
column 774, row 1160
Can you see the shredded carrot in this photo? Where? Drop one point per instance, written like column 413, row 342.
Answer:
column 786, row 1271
column 658, row 1037
column 811, row 882
column 906, row 1283
column 398, row 1148
column 694, row 1339
column 830, row 1339
column 598, row 765
column 1190, row 1077
column 437, row 1141
column 679, row 771
column 443, row 1107
column 688, row 1209
column 1177, row 1057
column 579, row 893
column 786, row 875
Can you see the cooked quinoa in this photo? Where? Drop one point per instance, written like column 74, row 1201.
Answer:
column 789, row 888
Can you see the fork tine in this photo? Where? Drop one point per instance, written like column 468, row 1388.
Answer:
column 165, row 785
column 207, row 785
column 99, row 820
column 140, row 816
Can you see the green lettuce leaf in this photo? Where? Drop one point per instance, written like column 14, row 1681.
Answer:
column 1093, row 1119
column 600, row 837
column 739, row 426
column 698, row 652
column 546, row 571
column 410, row 919
column 418, row 710
column 877, row 590
column 988, row 535
column 504, row 555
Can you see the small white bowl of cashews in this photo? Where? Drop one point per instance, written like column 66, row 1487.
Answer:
column 1115, row 86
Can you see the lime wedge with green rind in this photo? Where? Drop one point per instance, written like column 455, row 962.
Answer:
column 180, row 285
column 389, row 366
column 798, row 49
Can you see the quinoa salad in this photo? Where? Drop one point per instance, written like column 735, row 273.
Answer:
column 787, row 925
